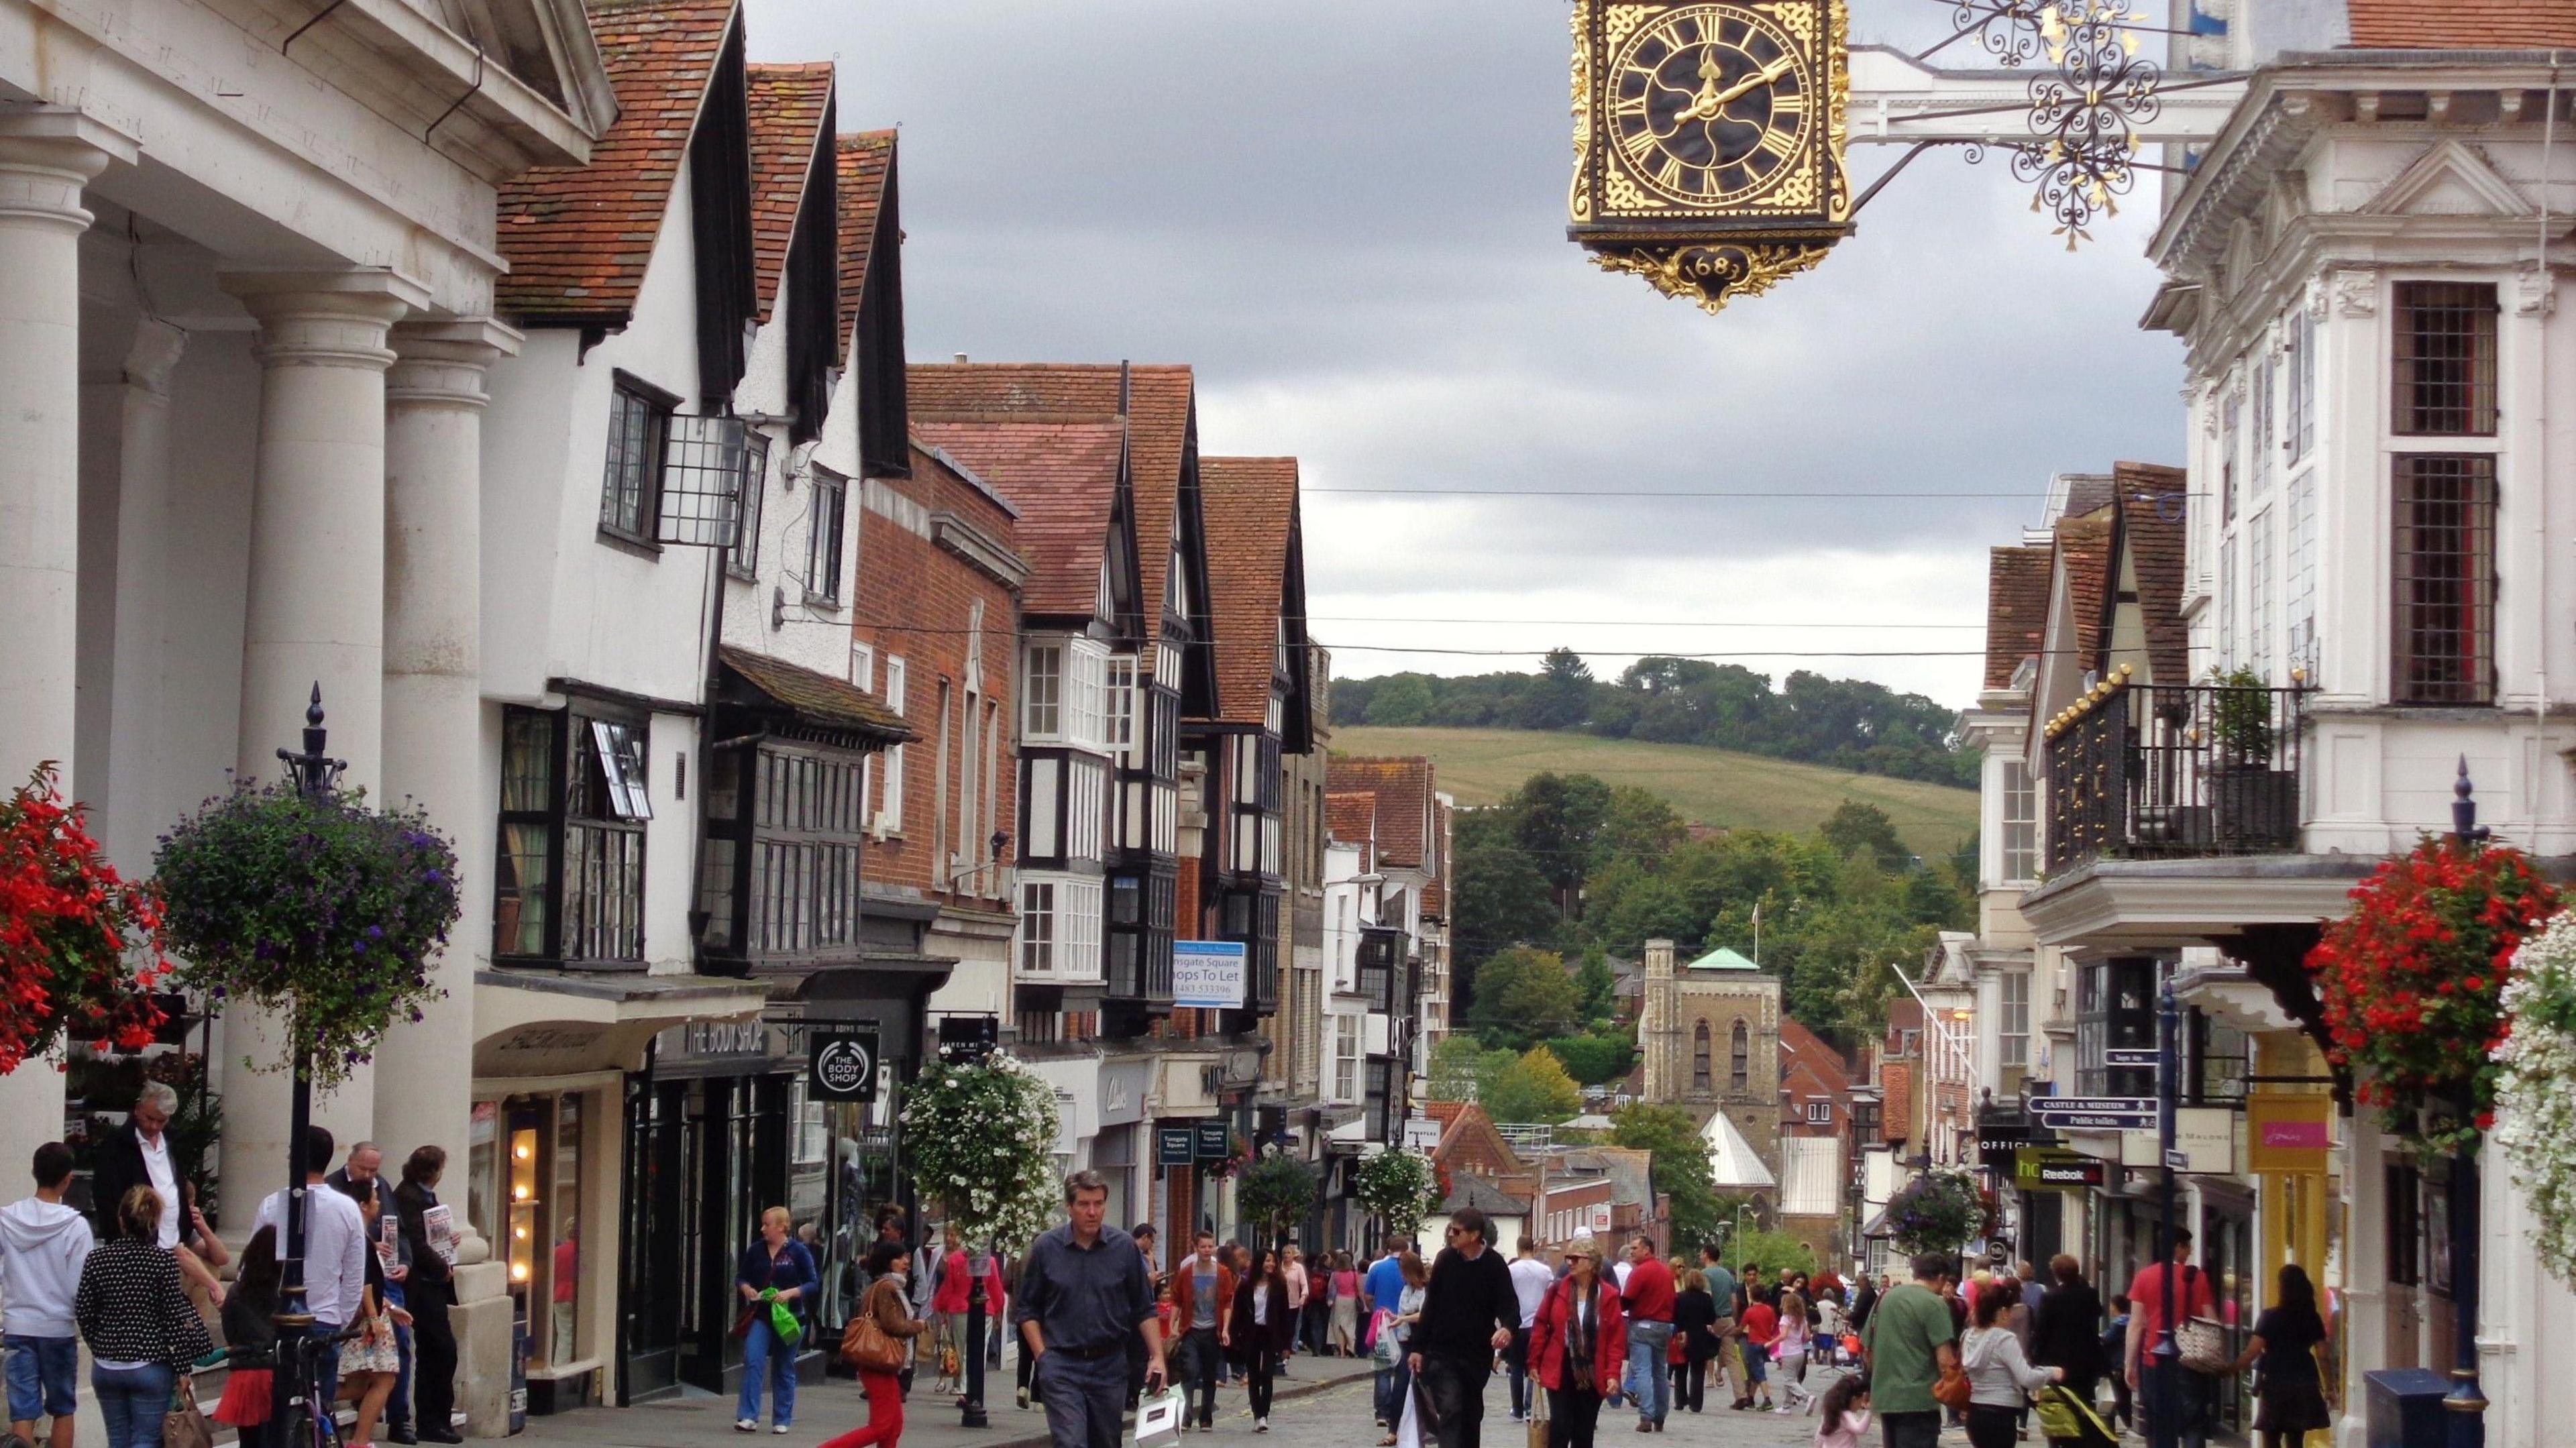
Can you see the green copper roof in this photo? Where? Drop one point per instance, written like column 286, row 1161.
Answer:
column 1721, row 959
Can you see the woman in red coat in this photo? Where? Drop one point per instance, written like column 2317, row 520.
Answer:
column 1578, row 1347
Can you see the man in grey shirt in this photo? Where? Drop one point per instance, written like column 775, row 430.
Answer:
column 1083, row 1295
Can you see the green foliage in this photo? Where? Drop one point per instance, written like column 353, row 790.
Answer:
column 2240, row 715
column 1556, row 820
column 1855, row 828
column 1534, row 1088
column 1502, row 898
column 319, row 908
column 1595, row 1058
column 1936, row 1212
column 1596, row 986
column 1275, row 1194
column 1845, row 723
column 1679, row 1167
column 1773, row 1252
column 1463, row 1068
column 981, row 1136
column 1400, row 1187
column 1524, row 996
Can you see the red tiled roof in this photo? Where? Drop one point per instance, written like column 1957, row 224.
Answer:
column 2084, row 545
column 1350, row 815
column 1249, row 508
column 866, row 162
column 2016, row 610
column 577, row 237
column 1435, row 891
column 1063, row 477
column 788, row 105
column 2462, row 24
column 1896, row 1115
column 1160, row 399
column 1403, row 790
column 1810, row 1051
column 2153, row 501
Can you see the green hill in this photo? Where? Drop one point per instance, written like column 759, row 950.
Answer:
column 1707, row 786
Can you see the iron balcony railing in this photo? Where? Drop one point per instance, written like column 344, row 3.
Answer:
column 2145, row 771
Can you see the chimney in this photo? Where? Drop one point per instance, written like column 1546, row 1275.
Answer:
column 1123, row 394
column 961, row 358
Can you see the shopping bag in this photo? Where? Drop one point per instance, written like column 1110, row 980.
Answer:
column 2203, row 1341
column 782, row 1321
column 183, row 1426
column 1159, row 1419
column 1538, row 1424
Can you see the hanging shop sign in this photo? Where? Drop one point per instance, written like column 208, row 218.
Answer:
column 1212, row 1139
column 1209, row 974
column 2288, row 1134
column 841, row 1064
column 2204, row 1139
column 2055, row 1169
column 1175, row 1146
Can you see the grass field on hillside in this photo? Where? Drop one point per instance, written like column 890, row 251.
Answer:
column 1707, row 786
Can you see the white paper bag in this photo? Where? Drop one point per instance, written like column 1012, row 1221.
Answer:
column 1158, row 1419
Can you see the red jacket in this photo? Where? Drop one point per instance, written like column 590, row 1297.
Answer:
column 1610, row 1338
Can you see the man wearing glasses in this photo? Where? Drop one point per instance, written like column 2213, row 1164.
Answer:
column 1468, row 1312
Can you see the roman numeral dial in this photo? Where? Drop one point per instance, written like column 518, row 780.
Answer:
column 1710, row 107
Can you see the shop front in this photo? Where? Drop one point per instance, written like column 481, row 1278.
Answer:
column 1121, row 1152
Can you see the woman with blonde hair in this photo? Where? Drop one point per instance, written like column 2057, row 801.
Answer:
column 776, row 1272
column 134, row 1314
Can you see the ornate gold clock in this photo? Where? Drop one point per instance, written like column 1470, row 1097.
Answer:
column 1708, row 140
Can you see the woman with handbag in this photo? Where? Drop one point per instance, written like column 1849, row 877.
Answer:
column 875, row 1345
column 142, row 1332
column 1578, row 1347
column 775, row 1275
column 2285, row 1342
column 2000, row 1378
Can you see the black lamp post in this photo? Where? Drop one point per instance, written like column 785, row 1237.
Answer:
column 314, row 775
column 2467, row 1401
column 2165, row 1354
column 970, row 1353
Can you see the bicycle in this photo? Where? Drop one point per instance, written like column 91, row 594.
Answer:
column 301, row 1425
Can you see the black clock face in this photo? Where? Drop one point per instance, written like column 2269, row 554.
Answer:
column 1710, row 105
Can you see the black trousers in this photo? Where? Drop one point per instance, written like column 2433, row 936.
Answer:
column 1260, row 1369
column 2120, row 1405
column 1453, row 1394
column 1993, row 1426
column 433, row 1341
column 1690, row 1384
column 1204, row 1362
column 1572, row 1414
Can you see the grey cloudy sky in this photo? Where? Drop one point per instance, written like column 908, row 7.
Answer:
column 1350, row 217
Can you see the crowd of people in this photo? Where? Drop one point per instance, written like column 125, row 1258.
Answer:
column 138, row 1285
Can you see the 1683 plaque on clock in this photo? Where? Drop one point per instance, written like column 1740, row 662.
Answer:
column 1708, row 140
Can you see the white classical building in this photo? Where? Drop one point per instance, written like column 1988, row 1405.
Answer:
column 2365, row 267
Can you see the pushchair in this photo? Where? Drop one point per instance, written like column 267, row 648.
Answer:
column 2066, row 1418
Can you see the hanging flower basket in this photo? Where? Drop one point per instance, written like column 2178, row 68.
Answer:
column 319, row 908
column 982, row 1137
column 2412, row 981
column 1936, row 1212
column 1276, row 1193
column 2535, row 1099
column 1401, row 1187
column 80, row 946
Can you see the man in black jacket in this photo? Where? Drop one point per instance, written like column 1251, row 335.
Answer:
column 430, row 1291
column 1468, row 1312
column 2066, row 1331
column 140, row 1154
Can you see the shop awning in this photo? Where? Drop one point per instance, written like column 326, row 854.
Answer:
column 810, row 703
column 532, row 1024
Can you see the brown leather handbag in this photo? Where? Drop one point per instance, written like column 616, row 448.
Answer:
column 1952, row 1389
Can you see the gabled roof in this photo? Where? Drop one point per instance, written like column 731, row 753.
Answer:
column 1810, row 1052
column 1435, row 891
column 1250, row 511
column 1063, row 477
column 1470, row 1190
column 2084, row 551
column 2462, row 24
column 1350, row 815
column 866, row 161
column 1473, row 1125
column 578, row 237
column 1158, row 410
column 789, row 105
column 1733, row 1164
column 1403, row 790
column 2016, row 610
column 2152, row 519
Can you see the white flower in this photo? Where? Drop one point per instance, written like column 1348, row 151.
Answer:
column 2536, row 1093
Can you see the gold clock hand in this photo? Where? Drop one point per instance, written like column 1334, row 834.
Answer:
column 1749, row 84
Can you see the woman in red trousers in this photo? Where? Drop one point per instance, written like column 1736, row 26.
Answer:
column 887, row 1263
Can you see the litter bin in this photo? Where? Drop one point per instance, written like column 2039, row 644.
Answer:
column 2405, row 1408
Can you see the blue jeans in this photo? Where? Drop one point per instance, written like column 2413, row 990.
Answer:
column 764, row 1356
column 132, row 1400
column 44, row 1377
column 398, row 1408
column 1392, row 1384
column 1649, row 1343
column 2190, row 1402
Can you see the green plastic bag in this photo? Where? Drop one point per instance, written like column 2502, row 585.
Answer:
column 782, row 1321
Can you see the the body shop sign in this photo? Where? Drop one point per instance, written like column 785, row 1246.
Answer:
column 1209, row 974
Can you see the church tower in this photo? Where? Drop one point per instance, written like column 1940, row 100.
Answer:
column 1659, row 1023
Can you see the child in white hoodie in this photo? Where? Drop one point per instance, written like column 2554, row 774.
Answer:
column 42, row 1246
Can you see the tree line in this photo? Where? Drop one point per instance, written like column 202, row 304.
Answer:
column 1842, row 723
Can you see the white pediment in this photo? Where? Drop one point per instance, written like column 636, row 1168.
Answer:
column 2449, row 179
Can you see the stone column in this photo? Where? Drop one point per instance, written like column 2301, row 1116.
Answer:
column 136, row 808
column 315, row 615
column 47, row 157
column 433, row 728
